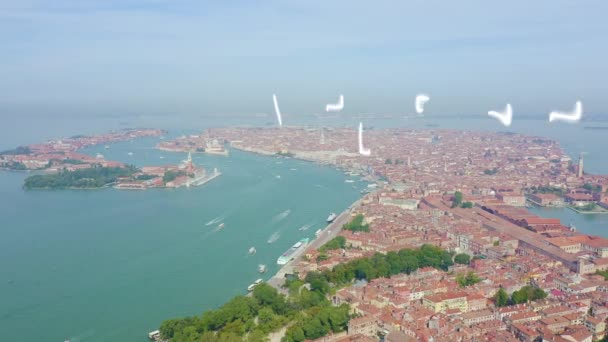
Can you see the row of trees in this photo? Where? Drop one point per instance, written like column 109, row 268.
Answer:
column 356, row 224
column 248, row 318
column 308, row 312
column 319, row 322
column 94, row 177
column 523, row 295
column 547, row 190
column 383, row 265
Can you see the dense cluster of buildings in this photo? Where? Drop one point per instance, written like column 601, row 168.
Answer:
column 510, row 247
column 195, row 144
column 61, row 154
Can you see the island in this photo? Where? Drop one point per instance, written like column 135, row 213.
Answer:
column 442, row 245
column 65, row 168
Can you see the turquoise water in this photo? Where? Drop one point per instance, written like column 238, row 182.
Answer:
column 110, row 265
column 594, row 224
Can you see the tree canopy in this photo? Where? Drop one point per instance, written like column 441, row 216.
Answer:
column 462, row 258
column 457, row 199
column 335, row 243
column 501, row 298
column 467, row 280
column 94, row 177
column 356, row 224
column 307, row 312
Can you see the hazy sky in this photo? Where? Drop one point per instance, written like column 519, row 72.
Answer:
column 229, row 57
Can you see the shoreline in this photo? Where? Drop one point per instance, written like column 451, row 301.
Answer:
column 327, row 233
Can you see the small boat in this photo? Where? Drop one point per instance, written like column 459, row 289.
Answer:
column 252, row 250
column 130, row 153
column 349, row 181
column 278, row 176
column 152, row 335
column 259, row 281
column 251, row 287
column 318, row 232
column 220, row 226
column 99, row 156
column 107, row 147
column 262, row 268
column 162, row 157
column 331, row 217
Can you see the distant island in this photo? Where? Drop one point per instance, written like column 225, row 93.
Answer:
column 67, row 169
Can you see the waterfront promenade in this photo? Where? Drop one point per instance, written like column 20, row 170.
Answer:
column 329, row 232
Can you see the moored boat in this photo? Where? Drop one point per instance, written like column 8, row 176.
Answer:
column 331, row 217
column 292, row 252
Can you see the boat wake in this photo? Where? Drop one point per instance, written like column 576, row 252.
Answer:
column 274, row 237
column 218, row 228
column 215, row 220
column 305, row 227
column 281, row 216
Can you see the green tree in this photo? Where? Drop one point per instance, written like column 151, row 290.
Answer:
column 467, row 205
column 388, row 161
column 457, row 199
column 356, row 224
column 267, row 295
column 265, row 315
column 322, row 257
column 501, row 298
column 462, row 258
column 313, row 328
column 320, row 285
column 467, row 280
column 335, row 243
column 295, row 334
